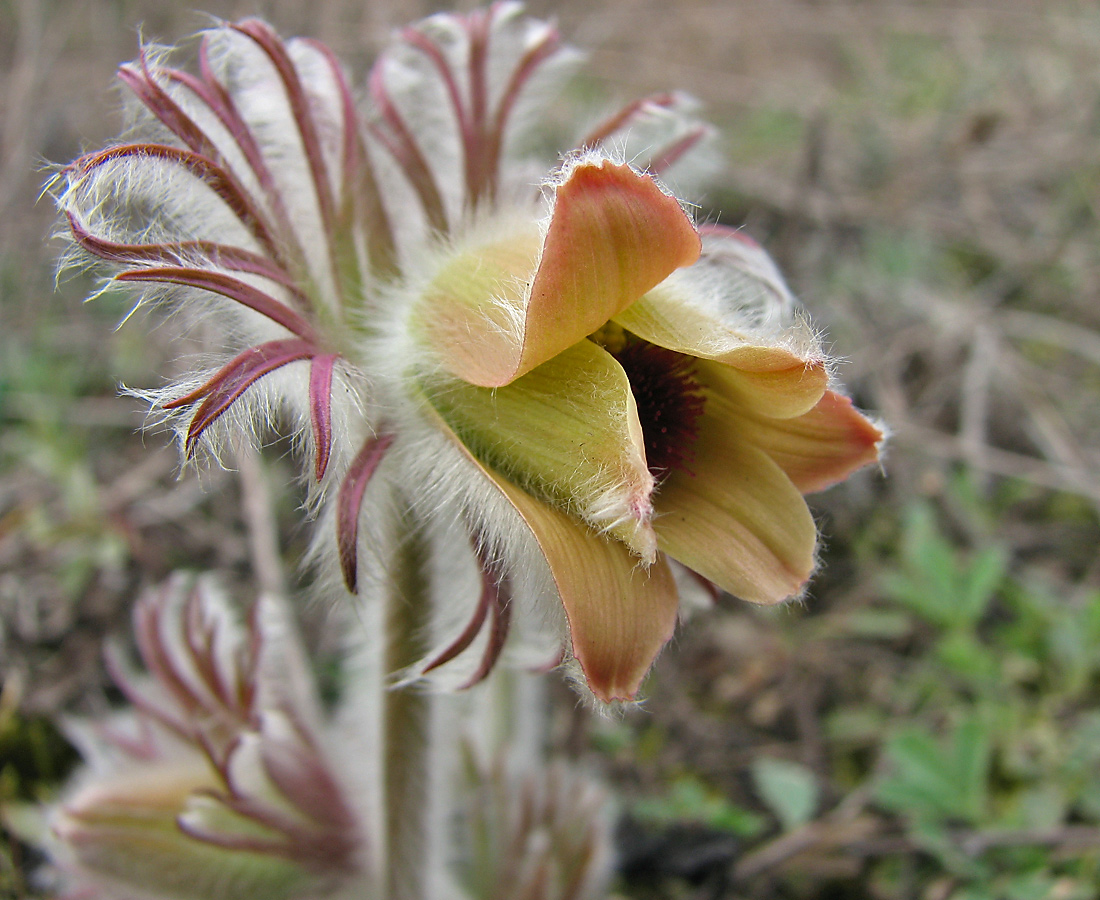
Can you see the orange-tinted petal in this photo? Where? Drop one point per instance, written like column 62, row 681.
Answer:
column 736, row 518
column 613, row 235
column 816, row 449
column 620, row 613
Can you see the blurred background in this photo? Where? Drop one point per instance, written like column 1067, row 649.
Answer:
column 925, row 724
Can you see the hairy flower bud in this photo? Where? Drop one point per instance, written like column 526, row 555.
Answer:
column 545, row 837
column 216, row 783
column 123, row 834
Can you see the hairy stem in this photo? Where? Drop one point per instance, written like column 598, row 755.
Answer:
column 412, row 849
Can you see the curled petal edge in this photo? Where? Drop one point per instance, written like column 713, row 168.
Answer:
column 613, row 236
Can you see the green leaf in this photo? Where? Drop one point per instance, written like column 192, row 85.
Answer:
column 931, row 782
column 962, row 653
column 1040, row 886
column 690, row 800
column 921, row 786
column 970, row 762
column 1043, row 806
column 935, row 581
column 940, row 843
column 880, row 624
column 789, row 790
column 855, row 725
column 985, row 574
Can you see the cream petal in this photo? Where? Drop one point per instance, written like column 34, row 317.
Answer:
column 817, row 449
column 124, row 831
column 775, row 380
column 567, row 431
column 736, row 518
column 497, row 311
column 778, row 385
column 734, row 308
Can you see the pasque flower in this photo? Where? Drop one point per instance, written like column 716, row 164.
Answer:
column 216, row 782
column 559, row 371
column 543, row 834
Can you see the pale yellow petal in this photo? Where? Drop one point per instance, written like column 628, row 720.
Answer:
column 472, row 314
column 125, row 829
column 567, row 431
column 497, row 311
column 736, row 518
column 775, row 379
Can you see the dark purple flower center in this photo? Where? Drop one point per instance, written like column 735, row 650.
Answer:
column 669, row 401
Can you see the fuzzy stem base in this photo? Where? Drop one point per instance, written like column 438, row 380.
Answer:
column 412, row 848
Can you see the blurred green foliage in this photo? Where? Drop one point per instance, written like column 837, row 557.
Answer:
column 969, row 750
column 689, row 800
column 55, row 507
column 789, row 790
column 996, row 755
column 34, row 757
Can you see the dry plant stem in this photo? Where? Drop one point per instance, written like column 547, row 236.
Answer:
column 862, row 836
column 407, row 711
column 517, row 719
column 975, row 400
column 1056, row 476
column 259, row 514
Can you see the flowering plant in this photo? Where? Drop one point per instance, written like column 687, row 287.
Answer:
column 577, row 381
column 217, row 780
column 536, row 396
column 225, row 777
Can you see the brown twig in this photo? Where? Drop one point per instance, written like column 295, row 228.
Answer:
column 863, row 837
column 259, row 515
column 997, row 461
